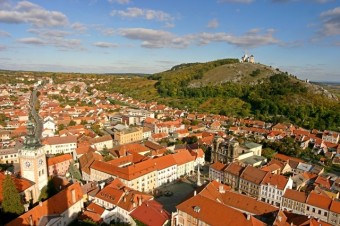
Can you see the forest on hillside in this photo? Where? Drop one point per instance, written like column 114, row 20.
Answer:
column 279, row 98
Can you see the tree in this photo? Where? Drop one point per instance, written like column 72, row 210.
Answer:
column 72, row 123
column 48, row 191
column 11, row 198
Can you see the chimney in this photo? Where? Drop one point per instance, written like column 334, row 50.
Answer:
column 101, row 185
column 31, row 220
column 139, row 201
column 248, row 216
column 73, row 194
column 221, row 189
column 195, row 193
column 40, row 203
column 26, row 205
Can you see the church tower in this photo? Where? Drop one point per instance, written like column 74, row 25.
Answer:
column 33, row 161
column 233, row 150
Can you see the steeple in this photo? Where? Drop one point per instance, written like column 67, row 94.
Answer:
column 31, row 141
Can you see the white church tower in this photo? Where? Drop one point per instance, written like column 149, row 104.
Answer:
column 33, row 162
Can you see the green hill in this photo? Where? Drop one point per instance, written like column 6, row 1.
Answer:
column 243, row 89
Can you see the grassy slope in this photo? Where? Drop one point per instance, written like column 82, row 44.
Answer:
column 238, row 72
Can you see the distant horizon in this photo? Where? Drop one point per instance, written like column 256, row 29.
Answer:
column 145, row 74
column 134, row 36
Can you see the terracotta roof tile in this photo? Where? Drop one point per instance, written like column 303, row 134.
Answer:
column 319, row 200
column 58, row 159
column 218, row 166
column 234, row 168
column 335, row 206
column 295, row 195
column 57, row 204
column 60, row 140
column 151, row 213
column 275, row 179
column 253, row 174
column 20, row 183
column 214, row 213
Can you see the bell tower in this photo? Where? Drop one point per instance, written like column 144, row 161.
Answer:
column 32, row 159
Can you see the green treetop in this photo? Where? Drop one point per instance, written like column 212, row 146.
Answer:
column 11, row 198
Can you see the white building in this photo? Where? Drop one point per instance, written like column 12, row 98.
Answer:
column 58, row 145
column 216, row 171
column 166, row 170
column 272, row 188
column 49, row 124
column 185, row 163
column 101, row 143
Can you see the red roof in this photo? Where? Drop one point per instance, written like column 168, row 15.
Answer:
column 319, row 200
column 151, row 213
column 58, row 159
column 214, row 213
column 295, row 195
column 20, row 183
column 55, row 205
column 275, row 179
column 218, row 166
column 253, row 174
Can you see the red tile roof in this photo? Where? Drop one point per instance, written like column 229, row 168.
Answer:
column 214, row 213
column 20, row 183
column 183, row 157
column 275, row 179
column 335, row 206
column 60, row 140
column 319, row 200
column 164, row 162
column 151, row 213
column 234, row 168
column 58, row 159
column 57, row 204
column 218, row 166
column 253, row 174
column 295, row 195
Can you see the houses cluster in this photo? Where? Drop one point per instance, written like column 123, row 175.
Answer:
column 287, row 183
column 123, row 156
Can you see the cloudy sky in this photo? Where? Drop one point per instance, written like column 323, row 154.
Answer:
column 301, row 37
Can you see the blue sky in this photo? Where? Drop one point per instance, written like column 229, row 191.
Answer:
column 301, row 37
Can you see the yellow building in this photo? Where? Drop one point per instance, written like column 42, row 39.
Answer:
column 128, row 135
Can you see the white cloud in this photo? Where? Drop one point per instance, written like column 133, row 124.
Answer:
column 4, row 34
column 58, row 42
column 122, row 2
column 79, row 27
column 32, row 41
column 213, row 23
column 156, row 38
column 47, row 33
column 330, row 22
column 105, row 44
column 3, row 47
column 30, row 13
column 235, row 1
column 147, row 14
column 253, row 38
